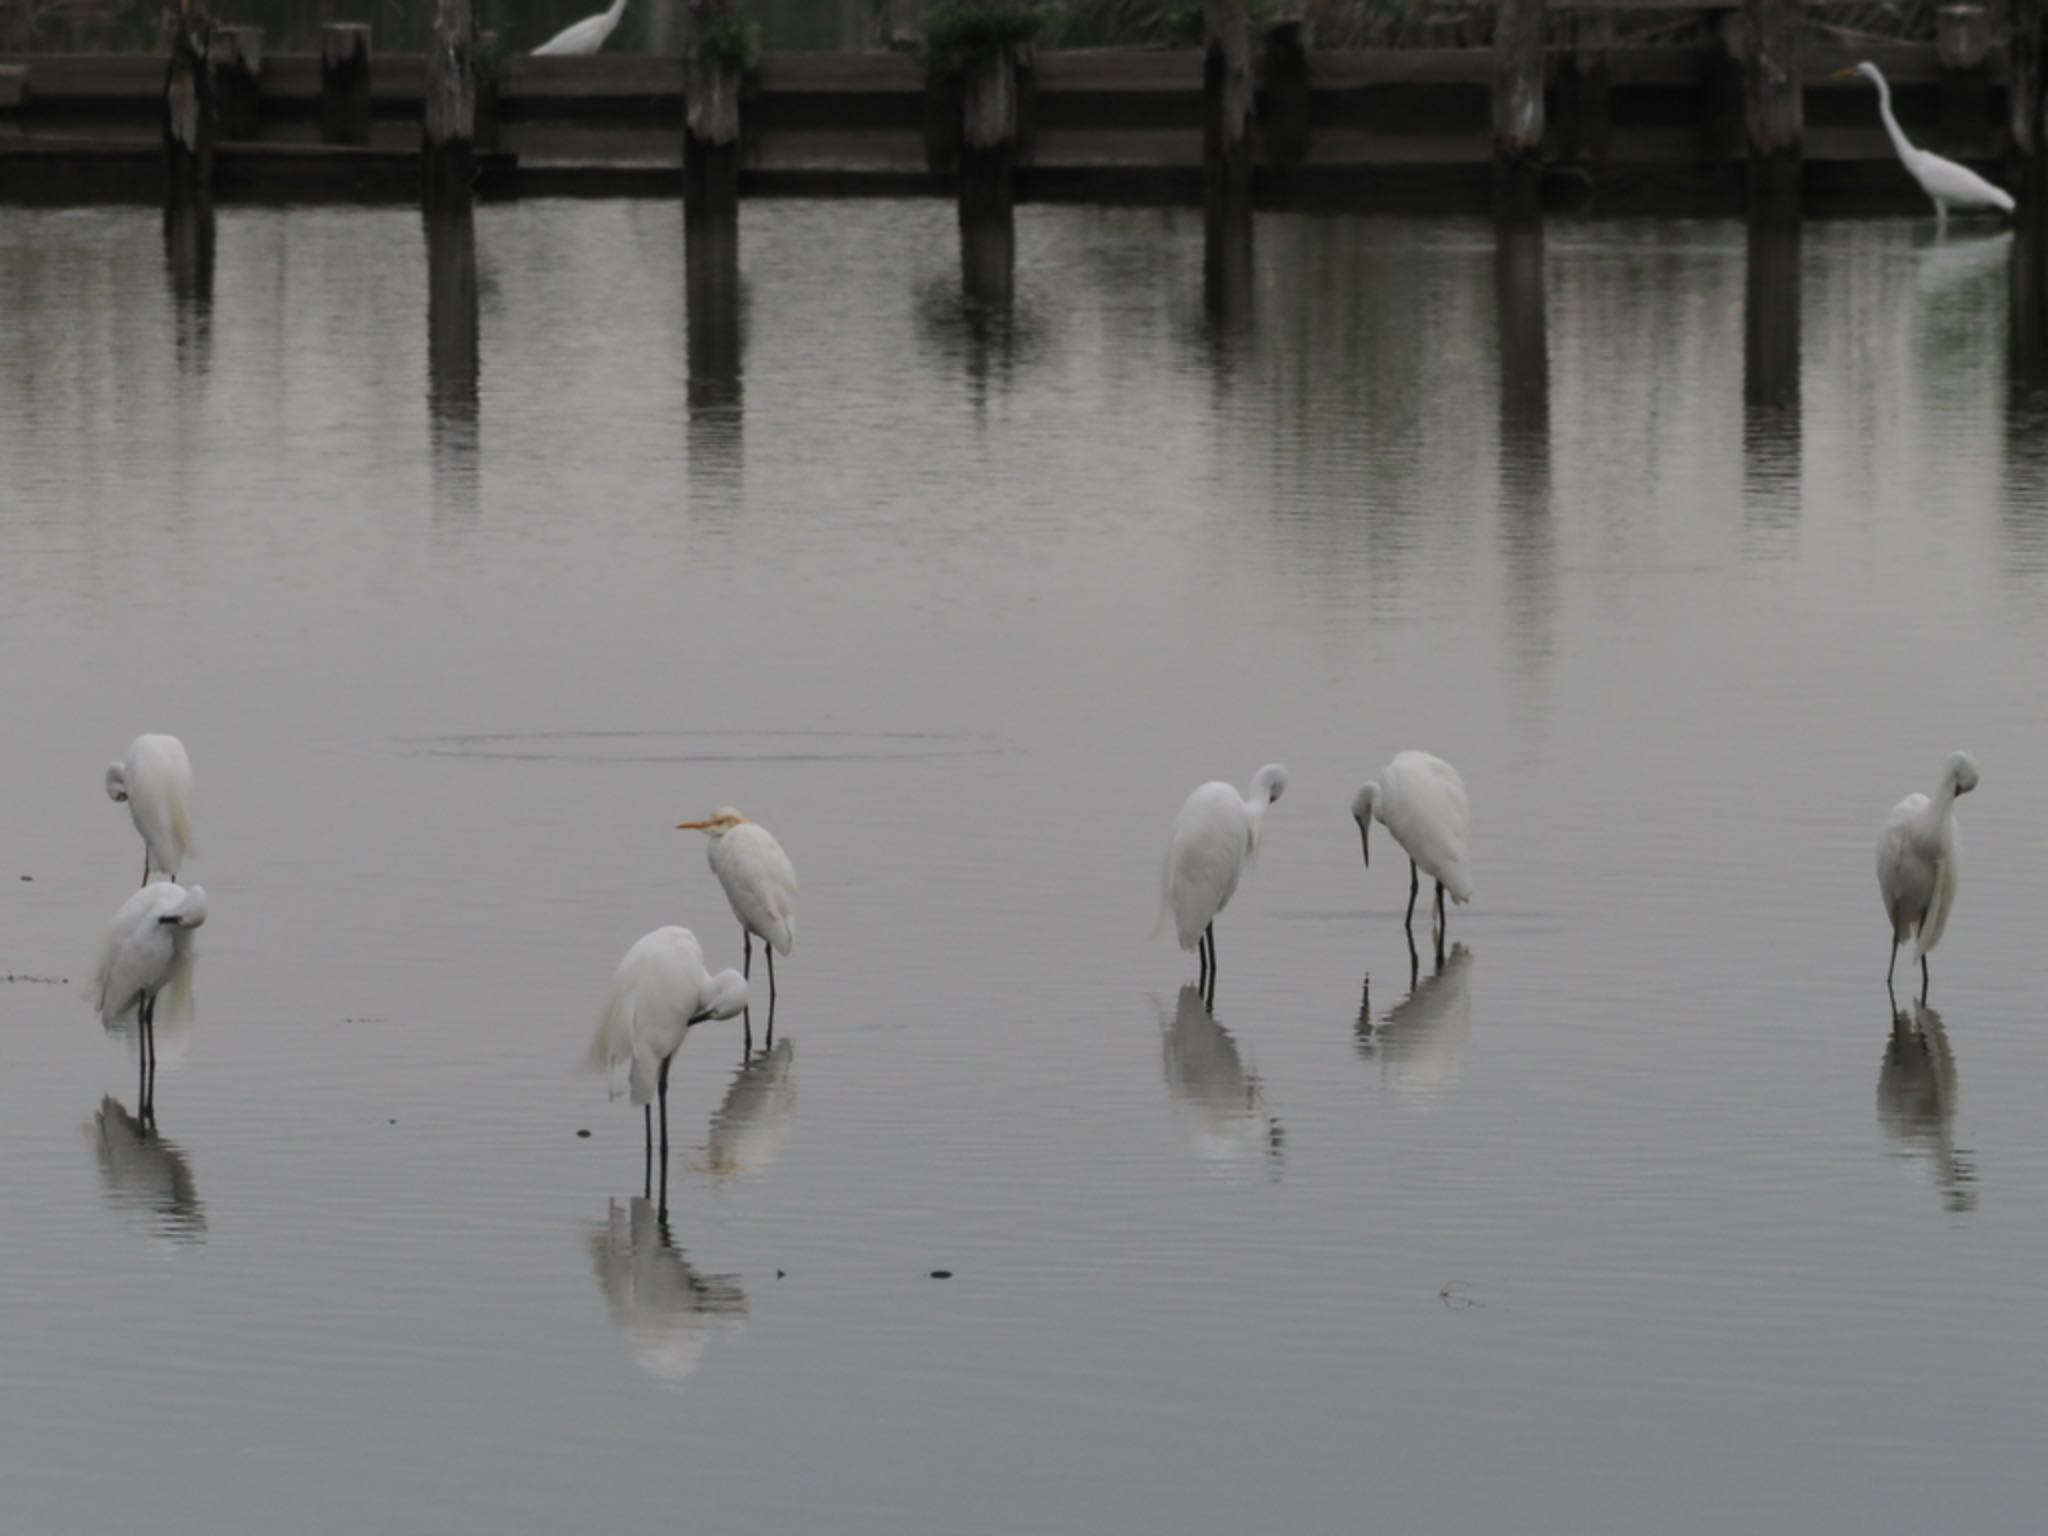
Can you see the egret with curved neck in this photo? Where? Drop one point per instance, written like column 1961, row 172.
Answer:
column 1214, row 838
column 583, row 37
column 1917, row 869
column 1948, row 184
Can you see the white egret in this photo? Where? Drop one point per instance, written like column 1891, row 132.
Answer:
column 759, row 882
column 660, row 989
column 1917, row 866
column 148, row 953
column 1949, row 184
column 1421, row 800
column 1215, row 836
column 156, row 781
column 583, row 37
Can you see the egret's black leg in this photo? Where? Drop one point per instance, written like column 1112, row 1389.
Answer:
column 1414, row 963
column 1202, row 961
column 769, row 950
column 1211, row 936
column 145, row 863
column 647, row 1167
column 747, row 1034
column 1443, row 924
column 1923, row 981
column 142, row 1060
column 1893, row 966
column 661, row 1092
column 1414, row 886
column 747, row 964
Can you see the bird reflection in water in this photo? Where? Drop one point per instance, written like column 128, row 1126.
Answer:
column 143, row 1172
column 666, row 1308
column 1418, row 1043
column 1916, row 1101
column 1225, row 1101
column 752, row 1125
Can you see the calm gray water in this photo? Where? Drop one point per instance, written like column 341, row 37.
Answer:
column 464, row 585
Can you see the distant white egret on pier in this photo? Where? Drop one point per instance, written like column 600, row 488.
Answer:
column 583, row 37
column 1949, row 184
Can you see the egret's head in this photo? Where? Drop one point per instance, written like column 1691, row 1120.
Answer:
column 1269, row 784
column 117, row 782
column 1364, row 805
column 726, row 997
column 1866, row 69
column 190, row 912
column 714, row 826
column 1962, row 768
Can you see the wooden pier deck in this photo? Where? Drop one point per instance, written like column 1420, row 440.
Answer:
column 1407, row 129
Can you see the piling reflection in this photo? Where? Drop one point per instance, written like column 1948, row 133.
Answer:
column 1916, row 1102
column 1418, row 1044
column 143, row 1173
column 1527, row 532
column 715, row 342
column 1228, row 282
column 188, row 262
column 1225, row 1102
column 752, row 1125
column 2023, row 518
column 453, row 361
column 665, row 1307
column 1772, row 362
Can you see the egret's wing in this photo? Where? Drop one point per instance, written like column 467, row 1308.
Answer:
column 1946, row 876
column 1902, row 875
column 1210, row 841
column 1959, row 184
column 760, row 882
column 160, row 798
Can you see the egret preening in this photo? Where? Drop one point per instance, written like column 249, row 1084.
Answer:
column 1421, row 800
column 1917, row 868
column 156, row 781
column 148, row 953
column 583, row 37
column 1214, row 838
column 759, row 882
column 660, row 989
column 1949, row 184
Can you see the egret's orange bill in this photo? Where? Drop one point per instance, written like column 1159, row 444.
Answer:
column 692, row 826
column 1843, row 74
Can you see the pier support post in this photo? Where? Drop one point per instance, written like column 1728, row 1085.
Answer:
column 1584, row 105
column 988, row 135
column 1227, row 110
column 344, row 83
column 1286, row 115
column 235, row 55
column 188, row 111
column 2023, row 157
column 1518, row 110
column 448, row 127
column 1962, row 45
column 1774, row 107
column 711, row 112
column 1770, row 318
column 487, row 73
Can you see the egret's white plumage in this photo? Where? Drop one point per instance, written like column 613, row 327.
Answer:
column 759, row 882
column 155, row 780
column 660, row 989
column 1917, row 863
column 1215, row 838
column 1421, row 800
column 1948, row 184
column 147, row 958
column 583, row 37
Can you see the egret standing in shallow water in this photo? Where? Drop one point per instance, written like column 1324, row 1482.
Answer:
column 583, row 37
column 1949, row 184
column 660, row 989
column 759, row 882
column 1421, row 800
column 148, row 952
column 155, row 780
column 1214, row 838
column 1917, row 869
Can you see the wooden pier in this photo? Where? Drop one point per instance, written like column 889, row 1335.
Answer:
column 1561, row 122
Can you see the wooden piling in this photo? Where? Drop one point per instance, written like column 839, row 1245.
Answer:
column 1518, row 110
column 188, row 111
column 1962, row 48
column 488, row 69
column 1522, row 318
column 344, row 83
column 452, row 325
column 14, row 92
column 711, row 111
column 448, row 124
column 235, row 56
column 1771, row 318
column 988, row 134
column 715, row 344
column 1227, row 110
column 1585, row 91
column 1774, row 108
column 1287, row 89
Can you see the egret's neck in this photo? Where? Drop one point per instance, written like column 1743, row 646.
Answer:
column 1891, row 124
column 618, row 9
